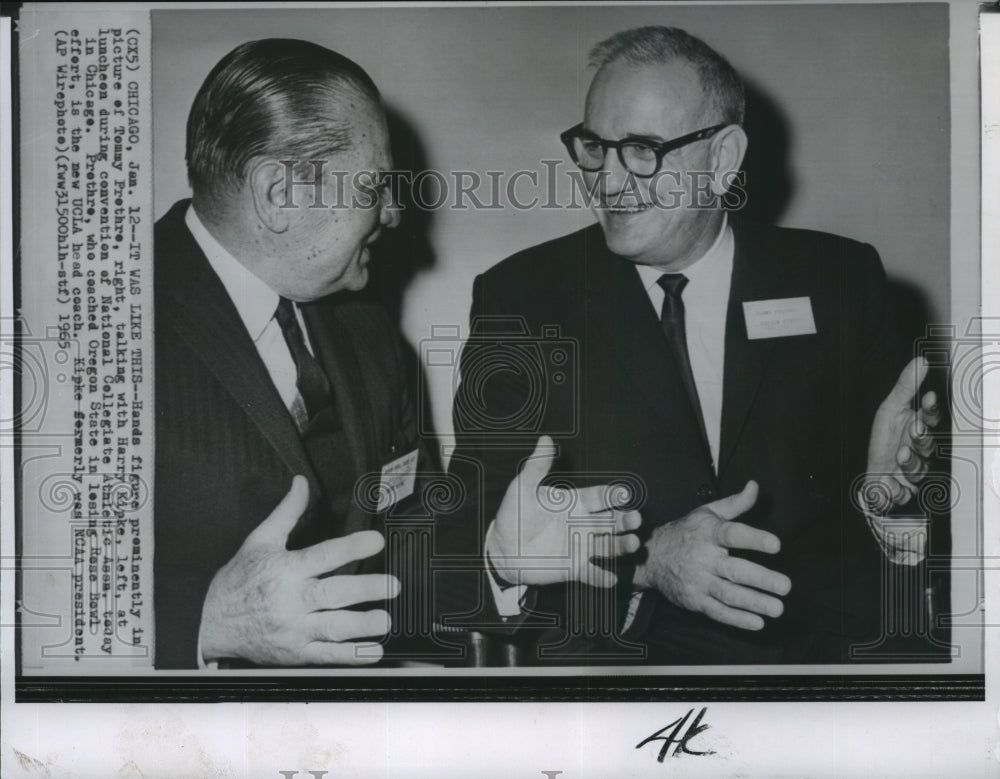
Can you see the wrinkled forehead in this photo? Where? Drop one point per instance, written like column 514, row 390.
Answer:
column 369, row 133
column 656, row 99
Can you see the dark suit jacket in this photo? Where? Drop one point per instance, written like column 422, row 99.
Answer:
column 226, row 446
column 796, row 417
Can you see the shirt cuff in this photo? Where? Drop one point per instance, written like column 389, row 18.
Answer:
column 506, row 597
column 903, row 540
column 633, row 609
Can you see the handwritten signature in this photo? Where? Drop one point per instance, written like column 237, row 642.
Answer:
column 676, row 743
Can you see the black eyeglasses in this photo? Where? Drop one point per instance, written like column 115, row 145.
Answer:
column 639, row 155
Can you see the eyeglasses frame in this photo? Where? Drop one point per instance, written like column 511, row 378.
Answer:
column 660, row 149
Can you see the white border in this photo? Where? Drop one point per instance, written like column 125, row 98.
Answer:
column 592, row 740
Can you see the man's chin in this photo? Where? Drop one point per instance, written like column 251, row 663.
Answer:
column 354, row 283
column 624, row 245
column 624, row 225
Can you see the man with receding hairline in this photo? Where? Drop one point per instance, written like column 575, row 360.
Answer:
column 275, row 388
column 732, row 369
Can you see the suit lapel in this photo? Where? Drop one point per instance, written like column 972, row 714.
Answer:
column 627, row 327
column 204, row 316
column 329, row 336
column 746, row 361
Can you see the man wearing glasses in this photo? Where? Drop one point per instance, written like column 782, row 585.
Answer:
column 727, row 374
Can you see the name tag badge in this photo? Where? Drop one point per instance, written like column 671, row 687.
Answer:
column 779, row 318
column 398, row 480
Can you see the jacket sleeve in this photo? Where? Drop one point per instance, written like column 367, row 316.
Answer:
column 495, row 432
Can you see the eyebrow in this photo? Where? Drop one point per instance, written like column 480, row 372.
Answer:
column 652, row 137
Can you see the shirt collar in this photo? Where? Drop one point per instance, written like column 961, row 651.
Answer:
column 707, row 272
column 255, row 301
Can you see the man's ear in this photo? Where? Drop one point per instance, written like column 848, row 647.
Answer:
column 266, row 181
column 728, row 149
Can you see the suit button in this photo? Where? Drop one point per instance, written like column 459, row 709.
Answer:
column 705, row 492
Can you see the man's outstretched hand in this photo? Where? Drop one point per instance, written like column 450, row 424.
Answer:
column 901, row 442
column 274, row 607
column 546, row 535
column 689, row 563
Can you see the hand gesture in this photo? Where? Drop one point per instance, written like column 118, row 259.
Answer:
column 275, row 607
column 901, row 441
column 689, row 563
column 546, row 535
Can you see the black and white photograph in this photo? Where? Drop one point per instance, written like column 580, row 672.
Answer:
column 615, row 359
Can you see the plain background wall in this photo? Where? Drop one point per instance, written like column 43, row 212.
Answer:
column 848, row 123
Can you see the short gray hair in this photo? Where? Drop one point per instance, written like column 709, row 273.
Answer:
column 663, row 45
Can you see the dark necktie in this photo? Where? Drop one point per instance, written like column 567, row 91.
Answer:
column 672, row 319
column 311, row 381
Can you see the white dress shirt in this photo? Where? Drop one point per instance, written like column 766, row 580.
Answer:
column 706, row 301
column 256, row 303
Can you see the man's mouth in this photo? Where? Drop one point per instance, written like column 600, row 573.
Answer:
column 637, row 208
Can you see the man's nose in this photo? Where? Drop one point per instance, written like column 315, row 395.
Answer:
column 389, row 213
column 613, row 174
